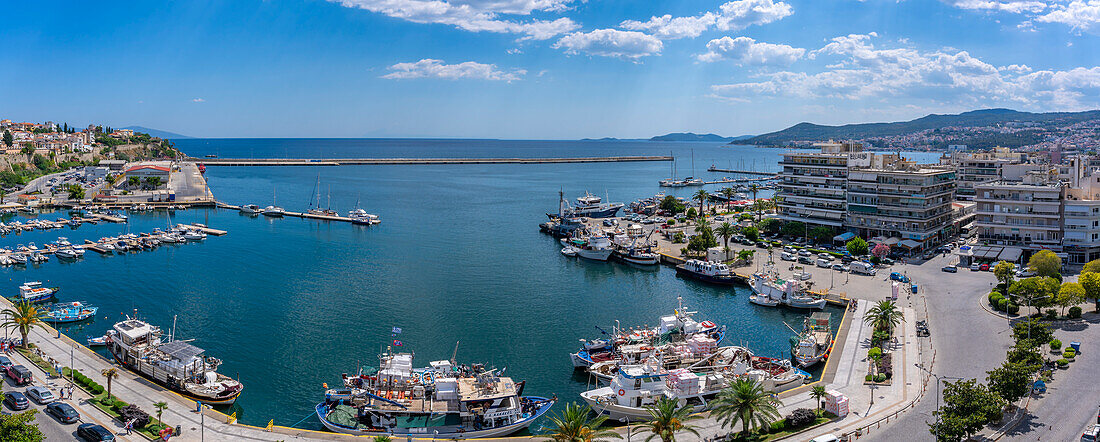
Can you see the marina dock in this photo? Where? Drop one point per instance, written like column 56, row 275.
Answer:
column 742, row 172
column 397, row 161
column 306, row 215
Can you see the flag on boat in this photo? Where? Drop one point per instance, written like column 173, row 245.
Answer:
column 396, row 330
column 396, row 343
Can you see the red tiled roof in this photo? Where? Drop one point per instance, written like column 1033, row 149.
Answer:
column 160, row 168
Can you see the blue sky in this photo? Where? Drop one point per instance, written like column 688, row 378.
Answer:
column 538, row 69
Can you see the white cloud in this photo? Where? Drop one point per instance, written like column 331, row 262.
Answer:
column 1077, row 14
column 430, row 68
column 611, row 43
column 474, row 15
column 746, row 51
column 1012, row 6
column 944, row 77
column 733, row 15
column 197, row 100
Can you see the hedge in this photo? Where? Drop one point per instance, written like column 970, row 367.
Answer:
column 995, row 297
column 1062, row 362
column 1069, row 353
column 1002, row 304
column 1055, row 344
column 1012, row 308
column 880, row 378
column 1074, row 312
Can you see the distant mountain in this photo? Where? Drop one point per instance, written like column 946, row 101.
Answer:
column 156, row 133
column 984, row 117
column 688, row 136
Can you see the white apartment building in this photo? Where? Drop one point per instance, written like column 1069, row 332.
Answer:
column 812, row 184
column 1025, row 214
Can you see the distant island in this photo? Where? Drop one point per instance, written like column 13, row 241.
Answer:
column 156, row 133
column 678, row 136
column 977, row 129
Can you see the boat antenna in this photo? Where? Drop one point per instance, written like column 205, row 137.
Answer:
column 454, row 354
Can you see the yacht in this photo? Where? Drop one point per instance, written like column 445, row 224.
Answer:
column 67, row 253
column 251, row 209
column 707, row 271
column 443, row 401
column 591, row 206
column 194, row 235
column 18, row 258
column 361, row 217
column 172, row 363
column 274, row 211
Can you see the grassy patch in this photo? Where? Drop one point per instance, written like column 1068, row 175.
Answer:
column 36, row 360
column 106, row 405
column 818, row 422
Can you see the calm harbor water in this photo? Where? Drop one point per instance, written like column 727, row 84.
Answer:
column 289, row 304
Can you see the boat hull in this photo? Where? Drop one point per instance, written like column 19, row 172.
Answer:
column 594, row 254
column 765, row 301
column 322, row 411
column 816, row 304
column 228, row 400
column 607, row 212
column 720, row 280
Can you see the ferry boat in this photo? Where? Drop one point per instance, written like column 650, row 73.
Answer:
column 634, row 344
column 707, row 271
column 171, row 363
column 636, row 387
column 34, row 292
column 443, row 401
column 813, row 344
column 70, row 312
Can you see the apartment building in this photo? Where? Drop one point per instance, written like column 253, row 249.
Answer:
column 892, row 197
column 812, row 184
column 982, row 167
column 1025, row 214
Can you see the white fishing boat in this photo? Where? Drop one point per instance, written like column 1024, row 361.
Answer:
column 814, row 343
column 596, row 248
column 634, row 344
column 569, row 251
column 707, row 271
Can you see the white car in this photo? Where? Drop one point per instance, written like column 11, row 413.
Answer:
column 787, row 256
column 1024, row 273
column 826, row 438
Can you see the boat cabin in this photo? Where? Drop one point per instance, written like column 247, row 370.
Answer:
column 709, row 268
column 638, row 385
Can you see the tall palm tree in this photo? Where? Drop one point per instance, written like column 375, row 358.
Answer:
column 110, row 374
column 729, row 193
column 818, row 393
column 884, row 315
column 160, row 406
column 23, row 316
column 701, row 196
column 726, row 230
column 755, row 188
column 575, row 424
column 666, row 419
column 746, row 402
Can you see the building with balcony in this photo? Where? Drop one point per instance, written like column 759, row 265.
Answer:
column 972, row 169
column 1025, row 214
column 893, row 197
column 812, row 184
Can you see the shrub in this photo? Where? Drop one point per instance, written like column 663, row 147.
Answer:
column 1069, row 353
column 1074, row 312
column 800, row 418
column 671, row 222
column 778, row 426
column 1062, row 362
column 874, row 353
column 880, row 377
column 119, row 405
column 129, row 412
column 1012, row 308
column 994, row 296
column 1051, row 313
column 1055, row 344
column 98, row 389
column 868, row 378
column 1002, row 304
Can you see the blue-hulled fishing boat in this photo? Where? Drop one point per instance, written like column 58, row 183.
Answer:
column 69, row 312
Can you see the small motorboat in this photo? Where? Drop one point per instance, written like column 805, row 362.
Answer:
column 97, row 341
column 69, row 312
column 569, row 251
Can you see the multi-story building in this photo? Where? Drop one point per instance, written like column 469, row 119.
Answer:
column 1025, row 214
column 812, row 184
column 976, row 168
column 893, row 197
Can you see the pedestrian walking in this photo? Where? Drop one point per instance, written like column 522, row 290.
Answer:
column 129, row 426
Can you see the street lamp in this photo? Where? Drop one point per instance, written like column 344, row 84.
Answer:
column 627, row 421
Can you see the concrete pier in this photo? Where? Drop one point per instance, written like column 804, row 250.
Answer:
column 395, row 161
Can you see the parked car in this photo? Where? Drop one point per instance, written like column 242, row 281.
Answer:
column 761, row 245
column 94, row 432
column 895, row 276
column 16, row 401
column 1091, row 433
column 40, row 394
column 951, row 268
column 975, row 267
column 928, row 255
column 805, row 253
column 719, row 218
column 887, row 261
column 824, row 263
column 63, row 412
column 1024, row 273
column 20, row 374
column 788, row 256
column 826, row 438
column 838, row 266
column 847, row 259
column 788, row 249
column 805, row 260
column 5, row 362
column 984, row 267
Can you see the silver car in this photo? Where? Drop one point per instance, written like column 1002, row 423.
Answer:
column 40, row 394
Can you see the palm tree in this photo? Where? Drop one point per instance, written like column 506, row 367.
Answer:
column 729, row 193
column 754, row 188
column 701, row 196
column 576, row 425
column 23, row 316
column 818, row 393
column 109, row 373
column 884, row 315
column 160, row 406
column 746, row 402
column 666, row 419
column 726, row 230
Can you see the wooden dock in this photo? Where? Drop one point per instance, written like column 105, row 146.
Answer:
column 398, row 161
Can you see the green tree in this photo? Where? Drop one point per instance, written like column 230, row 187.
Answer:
column 1010, row 381
column 20, row 427
column 76, row 192
column 1037, row 332
column 28, row 149
column 857, row 246
column 821, row 234
column 667, row 419
column 1034, row 291
column 1045, row 263
column 746, row 402
column 23, row 317
column 133, row 181
column 753, row 188
column 751, row 233
column 575, row 424
column 1004, row 271
column 794, row 228
column 1091, row 283
column 770, row 225
column 1070, row 294
column 1026, row 354
column 160, row 406
column 110, row 374
column 701, row 196
column 818, row 393
column 1092, row 267
column 726, row 230
column 746, row 255
column 8, row 139
column 967, row 406
column 884, row 315
column 729, row 193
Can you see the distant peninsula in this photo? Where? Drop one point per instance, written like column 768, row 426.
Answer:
column 156, row 132
column 678, row 136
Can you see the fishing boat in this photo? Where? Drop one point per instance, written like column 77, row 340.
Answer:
column 804, row 300
column 707, row 271
column 443, row 401
column 636, row 343
column 596, row 248
column 769, row 290
column 812, row 345
column 172, row 363
column 569, row 251
column 69, row 312
column 34, row 291
column 592, row 206
column 637, row 387
column 628, row 249
column 97, row 341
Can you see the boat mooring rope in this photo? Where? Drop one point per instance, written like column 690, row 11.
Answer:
column 303, row 419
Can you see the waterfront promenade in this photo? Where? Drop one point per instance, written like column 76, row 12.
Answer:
column 397, row 161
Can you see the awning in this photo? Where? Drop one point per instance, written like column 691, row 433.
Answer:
column 1010, row 254
column 909, row 244
column 878, row 240
column 891, row 241
column 844, row 236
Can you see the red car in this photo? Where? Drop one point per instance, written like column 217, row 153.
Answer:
column 984, row 267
